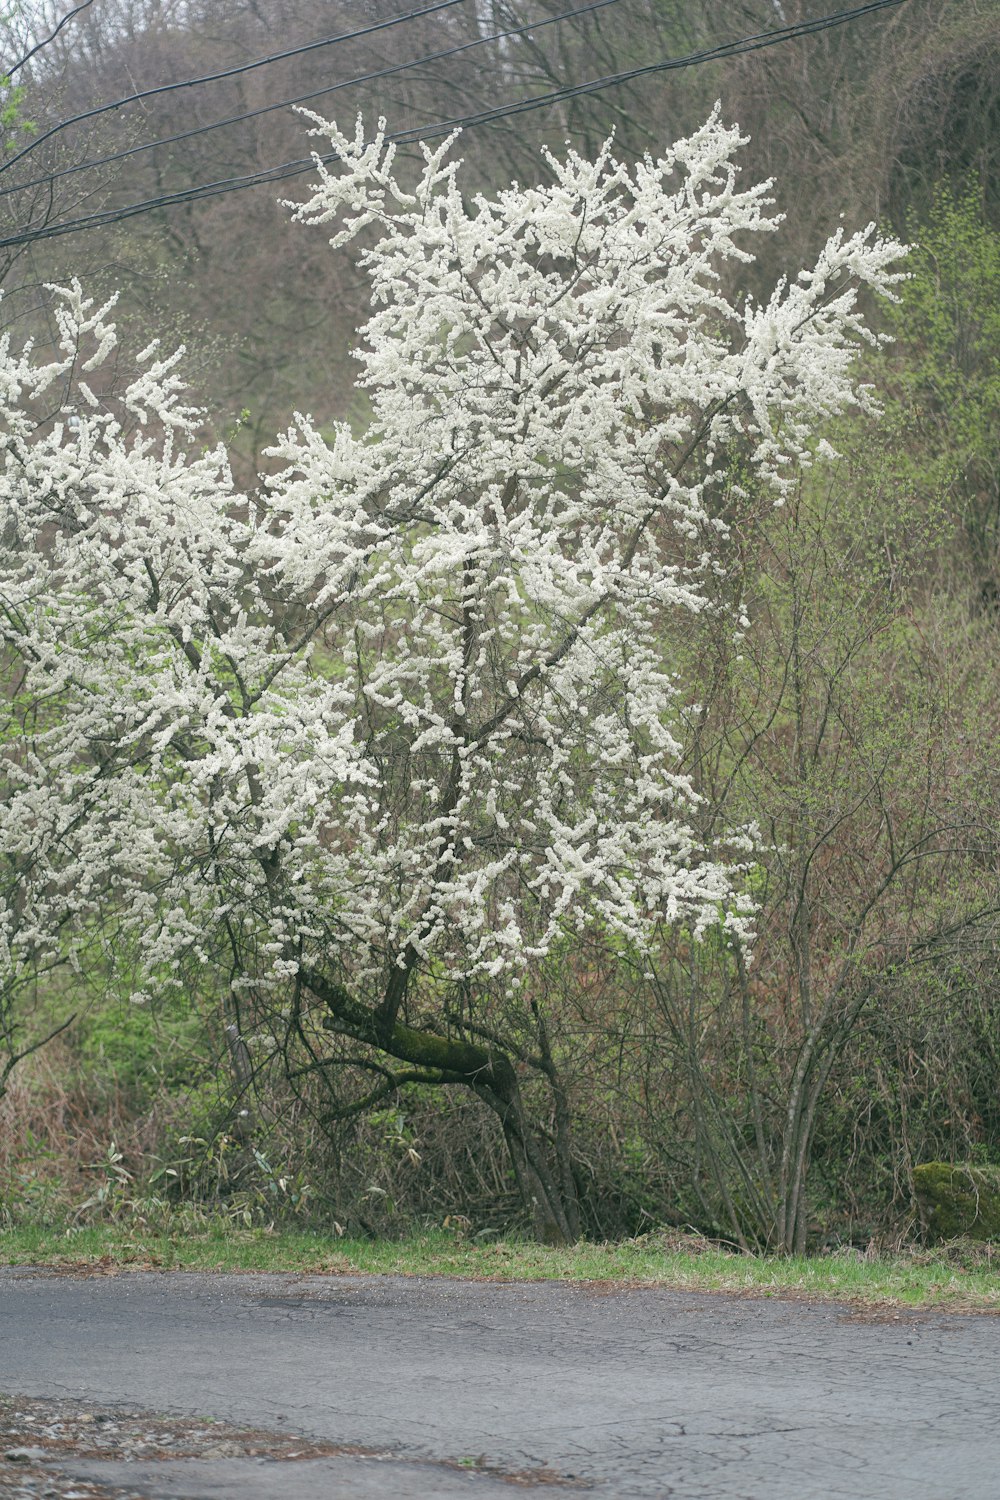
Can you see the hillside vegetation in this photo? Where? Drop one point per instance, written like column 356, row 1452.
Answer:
column 834, row 695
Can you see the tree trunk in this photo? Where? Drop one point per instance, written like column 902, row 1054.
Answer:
column 555, row 1221
column 488, row 1073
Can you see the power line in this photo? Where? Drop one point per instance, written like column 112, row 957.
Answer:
column 330, row 88
column 279, row 173
column 9, row 72
column 755, row 43
column 250, row 67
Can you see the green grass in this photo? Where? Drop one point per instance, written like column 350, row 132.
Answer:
column 958, row 1277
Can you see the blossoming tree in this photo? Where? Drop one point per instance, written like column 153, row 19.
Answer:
column 382, row 739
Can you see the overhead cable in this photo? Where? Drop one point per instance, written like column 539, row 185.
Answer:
column 234, row 72
column 38, row 47
column 285, row 170
column 329, row 88
column 755, row 43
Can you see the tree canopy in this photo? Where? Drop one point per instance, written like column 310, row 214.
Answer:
column 399, row 725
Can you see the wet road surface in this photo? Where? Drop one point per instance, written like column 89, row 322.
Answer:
column 441, row 1387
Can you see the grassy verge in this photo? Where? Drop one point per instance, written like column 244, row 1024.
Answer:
column 958, row 1277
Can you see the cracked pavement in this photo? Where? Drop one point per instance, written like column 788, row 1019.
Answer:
column 410, row 1387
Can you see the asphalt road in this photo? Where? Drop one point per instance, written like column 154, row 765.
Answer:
column 462, row 1388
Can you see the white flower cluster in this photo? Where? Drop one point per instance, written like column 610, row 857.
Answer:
column 409, row 706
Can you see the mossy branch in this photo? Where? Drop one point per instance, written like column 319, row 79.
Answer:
column 460, row 1061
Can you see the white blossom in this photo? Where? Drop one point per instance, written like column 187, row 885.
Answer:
column 408, row 707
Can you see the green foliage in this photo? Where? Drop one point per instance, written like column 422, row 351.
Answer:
column 143, row 1049
column 31, row 1192
column 851, row 722
column 12, row 122
column 945, row 370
